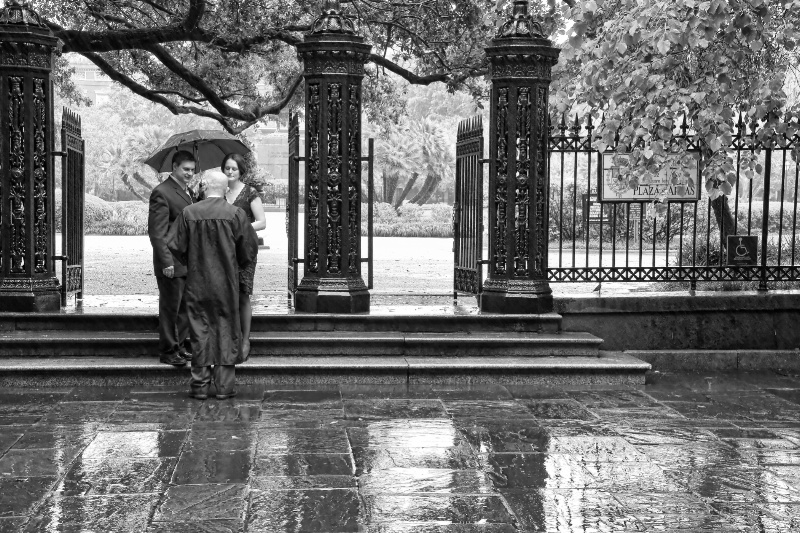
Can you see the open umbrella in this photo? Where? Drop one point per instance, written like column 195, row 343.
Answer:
column 208, row 146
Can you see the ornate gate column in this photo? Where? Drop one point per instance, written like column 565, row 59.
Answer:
column 333, row 57
column 27, row 212
column 521, row 59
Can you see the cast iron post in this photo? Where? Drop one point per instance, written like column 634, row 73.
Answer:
column 27, row 212
column 333, row 58
column 521, row 59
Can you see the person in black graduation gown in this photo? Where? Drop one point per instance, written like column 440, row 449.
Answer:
column 217, row 240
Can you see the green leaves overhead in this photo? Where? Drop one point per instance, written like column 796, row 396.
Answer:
column 645, row 64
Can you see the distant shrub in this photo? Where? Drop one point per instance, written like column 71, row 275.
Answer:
column 120, row 218
column 383, row 212
column 96, row 210
column 410, row 212
column 442, row 213
column 410, row 220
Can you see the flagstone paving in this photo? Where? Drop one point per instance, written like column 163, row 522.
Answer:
column 684, row 453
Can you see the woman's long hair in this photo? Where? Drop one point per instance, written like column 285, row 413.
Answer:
column 244, row 169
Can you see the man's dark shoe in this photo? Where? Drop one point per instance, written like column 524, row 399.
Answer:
column 172, row 359
column 198, row 395
column 185, row 350
column 226, row 396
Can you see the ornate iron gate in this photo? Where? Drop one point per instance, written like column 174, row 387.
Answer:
column 72, row 185
column 468, row 208
column 370, row 159
column 292, row 204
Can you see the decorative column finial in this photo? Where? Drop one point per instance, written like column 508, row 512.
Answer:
column 17, row 12
column 520, row 24
column 332, row 20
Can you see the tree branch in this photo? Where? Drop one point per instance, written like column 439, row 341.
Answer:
column 130, row 38
column 198, row 84
column 144, row 92
column 253, row 114
column 407, row 74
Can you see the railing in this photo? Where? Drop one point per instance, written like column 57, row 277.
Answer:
column 596, row 236
column 292, row 206
column 468, row 208
column 72, row 188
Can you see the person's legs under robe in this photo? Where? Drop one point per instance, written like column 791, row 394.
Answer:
column 224, row 378
column 201, row 379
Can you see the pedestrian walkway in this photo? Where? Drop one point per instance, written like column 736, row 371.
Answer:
column 699, row 452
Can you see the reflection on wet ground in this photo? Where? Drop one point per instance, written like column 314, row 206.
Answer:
column 684, row 453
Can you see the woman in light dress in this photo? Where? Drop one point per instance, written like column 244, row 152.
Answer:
column 247, row 198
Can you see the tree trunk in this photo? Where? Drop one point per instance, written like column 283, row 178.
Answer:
column 389, row 186
column 406, row 190
column 129, row 185
column 725, row 222
column 138, row 177
column 427, row 190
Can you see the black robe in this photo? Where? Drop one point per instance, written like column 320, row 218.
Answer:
column 216, row 240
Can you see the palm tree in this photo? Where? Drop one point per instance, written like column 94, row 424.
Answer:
column 436, row 156
column 124, row 159
column 397, row 155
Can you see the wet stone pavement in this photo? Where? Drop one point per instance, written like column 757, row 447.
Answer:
column 691, row 453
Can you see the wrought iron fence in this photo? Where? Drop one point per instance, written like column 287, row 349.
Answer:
column 595, row 237
column 72, row 190
column 468, row 208
column 292, row 207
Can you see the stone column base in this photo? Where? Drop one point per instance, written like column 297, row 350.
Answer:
column 524, row 297
column 332, row 295
column 30, row 296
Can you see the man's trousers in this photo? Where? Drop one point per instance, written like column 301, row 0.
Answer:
column 173, row 322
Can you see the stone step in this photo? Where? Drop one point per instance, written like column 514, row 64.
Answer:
column 607, row 368
column 52, row 343
column 410, row 319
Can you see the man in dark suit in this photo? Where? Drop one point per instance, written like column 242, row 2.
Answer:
column 166, row 203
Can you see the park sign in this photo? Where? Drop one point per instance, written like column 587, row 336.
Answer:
column 742, row 250
column 675, row 182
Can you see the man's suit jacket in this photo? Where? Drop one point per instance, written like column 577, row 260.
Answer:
column 166, row 203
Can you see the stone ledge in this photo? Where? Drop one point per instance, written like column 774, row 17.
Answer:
column 604, row 362
column 679, row 302
column 719, row 360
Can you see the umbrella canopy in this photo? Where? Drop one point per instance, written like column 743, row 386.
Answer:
column 208, row 146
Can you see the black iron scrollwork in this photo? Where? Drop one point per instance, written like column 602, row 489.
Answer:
column 334, row 198
column 18, row 247
column 541, row 187
column 354, row 177
column 501, row 186
column 522, row 187
column 312, row 124
column 40, row 177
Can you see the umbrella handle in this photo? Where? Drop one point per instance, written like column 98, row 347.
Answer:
column 196, row 156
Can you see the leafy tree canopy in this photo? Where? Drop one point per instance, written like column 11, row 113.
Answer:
column 235, row 60
column 722, row 65
column 643, row 64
